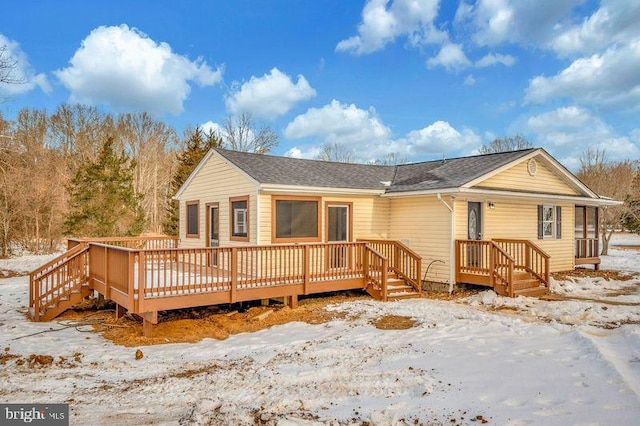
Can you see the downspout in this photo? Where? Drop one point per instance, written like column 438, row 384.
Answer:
column 452, row 270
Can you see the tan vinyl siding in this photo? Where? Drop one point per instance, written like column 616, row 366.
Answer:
column 370, row 215
column 517, row 178
column 423, row 223
column 519, row 220
column 217, row 182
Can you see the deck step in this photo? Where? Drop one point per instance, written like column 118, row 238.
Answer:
column 532, row 292
column 525, row 283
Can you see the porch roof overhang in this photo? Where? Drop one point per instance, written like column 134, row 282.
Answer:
column 580, row 200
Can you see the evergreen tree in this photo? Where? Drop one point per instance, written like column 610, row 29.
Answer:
column 197, row 145
column 103, row 202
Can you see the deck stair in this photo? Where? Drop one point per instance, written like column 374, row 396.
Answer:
column 397, row 288
column 524, row 284
column 59, row 284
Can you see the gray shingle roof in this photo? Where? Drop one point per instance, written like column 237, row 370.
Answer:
column 298, row 172
column 450, row 173
column 428, row 175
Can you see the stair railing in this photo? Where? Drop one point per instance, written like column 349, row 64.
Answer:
column 376, row 270
column 57, row 279
column 405, row 262
column 528, row 257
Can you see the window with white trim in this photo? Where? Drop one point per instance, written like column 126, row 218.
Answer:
column 548, row 221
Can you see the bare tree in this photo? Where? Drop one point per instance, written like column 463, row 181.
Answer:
column 8, row 67
column 391, row 159
column 151, row 144
column 610, row 179
column 514, row 143
column 240, row 133
column 336, row 152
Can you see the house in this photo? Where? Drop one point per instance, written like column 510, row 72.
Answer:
column 458, row 214
column 257, row 227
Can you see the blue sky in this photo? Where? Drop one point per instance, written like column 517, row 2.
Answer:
column 420, row 78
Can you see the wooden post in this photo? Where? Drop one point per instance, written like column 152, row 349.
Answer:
column 142, row 277
column 234, row 274
column 492, row 264
column 383, row 277
column 306, row 259
column 457, row 259
column 365, row 266
column 149, row 319
column 292, row 301
column 119, row 311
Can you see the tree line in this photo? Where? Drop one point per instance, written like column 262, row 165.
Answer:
column 80, row 171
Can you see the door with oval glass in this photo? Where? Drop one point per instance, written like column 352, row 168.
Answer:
column 474, row 232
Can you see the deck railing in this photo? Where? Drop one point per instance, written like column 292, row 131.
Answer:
column 157, row 279
column 142, row 242
column 57, row 279
column 587, row 248
column 401, row 259
column 484, row 262
column 528, row 257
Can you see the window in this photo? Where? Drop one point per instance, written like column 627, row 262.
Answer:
column 549, row 222
column 193, row 219
column 239, row 218
column 296, row 219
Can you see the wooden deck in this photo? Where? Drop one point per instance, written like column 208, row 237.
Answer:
column 145, row 276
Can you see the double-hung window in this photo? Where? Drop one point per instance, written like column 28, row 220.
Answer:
column 193, row 219
column 549, row 222
column 239, row 218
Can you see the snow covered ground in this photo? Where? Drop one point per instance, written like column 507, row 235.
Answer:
column 505, row 361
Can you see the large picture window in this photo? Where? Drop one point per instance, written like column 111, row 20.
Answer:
column 193, row 219
column 239, row 218
column 296, row 219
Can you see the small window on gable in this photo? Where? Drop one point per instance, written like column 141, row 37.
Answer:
column 193, row 219
column 239, row 218
column 549, row 222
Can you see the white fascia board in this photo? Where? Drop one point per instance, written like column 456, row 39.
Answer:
column 444, row 191
column 294, row 189
column 552, row 197
column 509, row 194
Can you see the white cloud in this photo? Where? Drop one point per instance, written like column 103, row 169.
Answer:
column 440, row 137
column 493, row 22
column 615, row 21
column 125, row 69
column 23, row 71
column 364, row 134
column 567, row 132
column 342, row 123
column 269, row 96
column 495, row 58
column 451, row 57
column 383, row 21
column 469, row 80
column 211, row 126
column 607, row 79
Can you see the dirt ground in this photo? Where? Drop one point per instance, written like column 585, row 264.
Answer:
column 221, row 321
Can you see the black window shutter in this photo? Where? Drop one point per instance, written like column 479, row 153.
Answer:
column 540, row 226
column 558, row 222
